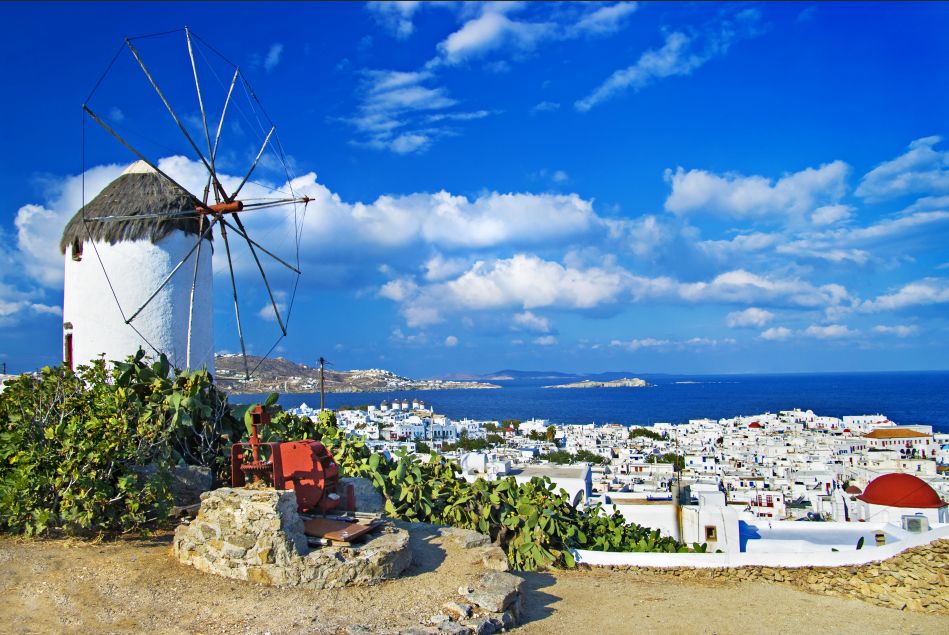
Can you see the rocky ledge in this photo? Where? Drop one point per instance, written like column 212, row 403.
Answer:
column 257, row 535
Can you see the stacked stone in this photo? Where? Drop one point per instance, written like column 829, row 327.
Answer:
column 257, row 535
column 914, row 580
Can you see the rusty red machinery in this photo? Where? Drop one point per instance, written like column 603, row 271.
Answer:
column 306, row 467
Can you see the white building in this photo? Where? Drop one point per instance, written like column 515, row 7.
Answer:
column 136, row 257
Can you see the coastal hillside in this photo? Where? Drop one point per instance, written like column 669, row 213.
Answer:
column 625, row 382
column 282, row 375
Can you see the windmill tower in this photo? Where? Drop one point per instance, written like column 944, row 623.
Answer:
column 120, row 263
column 138, row 256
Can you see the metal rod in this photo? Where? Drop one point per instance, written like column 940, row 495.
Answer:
column 220, row 123
column 181, row 127
column 173, row 272
column 194, row 283
column 254, row 164
column 141, row 156
column 237, row 310
column 263, row 274
column 261, row 247
column 197, row 86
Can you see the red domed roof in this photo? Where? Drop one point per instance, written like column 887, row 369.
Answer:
column 853, row 489
column 754, row 424
column 901, row 490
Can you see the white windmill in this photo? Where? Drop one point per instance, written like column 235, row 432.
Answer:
column 138, row 256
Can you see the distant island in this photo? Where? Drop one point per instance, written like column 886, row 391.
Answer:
column 282, row 375
column 625, row 382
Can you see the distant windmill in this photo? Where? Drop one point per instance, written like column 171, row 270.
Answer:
column 145, row 227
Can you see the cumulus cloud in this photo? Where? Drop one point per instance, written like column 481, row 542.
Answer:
column 680, row 54
column 755, row 197
column 545, row 340
column 451, row 341
column 776, row 333
column 531, row 322
column 920, row 170
column 899, row 330
column 750, row 317
column 928, row 291
column 545, row 106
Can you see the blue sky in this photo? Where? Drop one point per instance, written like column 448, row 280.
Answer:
column 686, row 188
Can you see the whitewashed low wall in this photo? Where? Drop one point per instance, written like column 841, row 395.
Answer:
column 717, row 560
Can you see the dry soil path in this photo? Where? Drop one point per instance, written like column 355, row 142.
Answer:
column 135, row 586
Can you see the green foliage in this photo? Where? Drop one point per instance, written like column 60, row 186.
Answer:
column 495, row 439
column 90, row 451
column 533, row 522
column 646, row 433
column 422, row 448
column 561, row 457
column 677, row 460
column 466, row 444
column 511, row 423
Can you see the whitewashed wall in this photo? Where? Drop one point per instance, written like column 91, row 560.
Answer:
column 135, row 269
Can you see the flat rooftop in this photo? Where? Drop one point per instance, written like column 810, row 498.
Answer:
column 552, row 471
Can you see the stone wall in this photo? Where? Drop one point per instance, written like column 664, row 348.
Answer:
column 257, row 535
column 917, row 579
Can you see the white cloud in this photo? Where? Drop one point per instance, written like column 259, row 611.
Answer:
column 732, row 195
column 273, row 56
column 831, row 214
column 398, row 110
column 776, row 333
column 559, row 176
column 490, row 31
column 396, row 16
column 750, row 317
column 266, row 312
column 921, row 169
column 545, row 340
column 439, row 268
column 899, row 330
column 740, row 286
column 829, row 332
column 680, row 54
column 545, row 106
column 451, row 341
column 531, row 322
column 927, row 291
column 669, row 344
column 605, row 20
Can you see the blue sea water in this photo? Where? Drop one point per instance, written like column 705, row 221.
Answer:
column 905, row 397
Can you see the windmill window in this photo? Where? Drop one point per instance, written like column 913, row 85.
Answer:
column 77, row 250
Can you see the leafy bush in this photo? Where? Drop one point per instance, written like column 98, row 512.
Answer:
column 91, row 451
column 645, row 432
column 533, row 522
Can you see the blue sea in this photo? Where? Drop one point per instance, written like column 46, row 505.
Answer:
column 905, row 397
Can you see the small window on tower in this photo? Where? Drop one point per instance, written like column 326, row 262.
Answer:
column 77, row 250
column 711, row 533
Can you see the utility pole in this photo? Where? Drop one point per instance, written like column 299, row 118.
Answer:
column 322, row 384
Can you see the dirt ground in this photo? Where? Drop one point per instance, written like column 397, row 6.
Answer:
column 135, row 586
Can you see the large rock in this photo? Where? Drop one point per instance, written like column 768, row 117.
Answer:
column 257, row 535
column 188, row 482
column 496, row 592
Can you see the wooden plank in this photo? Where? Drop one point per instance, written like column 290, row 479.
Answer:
column 335, row 530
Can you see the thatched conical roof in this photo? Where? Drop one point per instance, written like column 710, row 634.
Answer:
column 139, row 191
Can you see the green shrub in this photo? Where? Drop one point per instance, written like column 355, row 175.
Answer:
column 91, row 451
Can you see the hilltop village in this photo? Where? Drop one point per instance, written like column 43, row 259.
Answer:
column 790, row 465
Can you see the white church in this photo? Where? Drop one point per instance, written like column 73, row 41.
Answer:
column 119, row 249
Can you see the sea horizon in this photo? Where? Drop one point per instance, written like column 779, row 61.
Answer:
column 905, row 397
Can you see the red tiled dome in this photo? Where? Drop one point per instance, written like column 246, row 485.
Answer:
column 754, row 424
column 901, row 490
column 853, row 489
